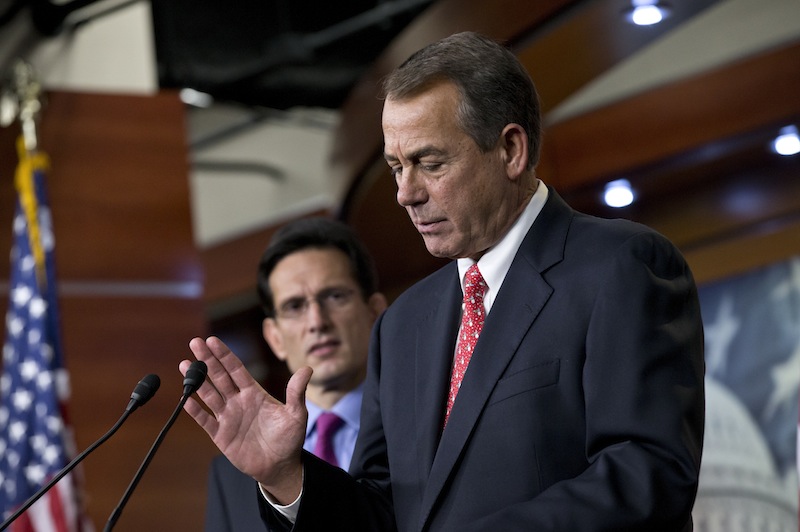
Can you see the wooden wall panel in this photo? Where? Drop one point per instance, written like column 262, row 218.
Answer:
column 121, row 172
column 111, row 343
column 131, row 293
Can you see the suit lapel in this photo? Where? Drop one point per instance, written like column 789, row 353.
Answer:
column 435, row 343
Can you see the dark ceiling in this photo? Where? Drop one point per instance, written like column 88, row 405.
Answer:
column 274, row 53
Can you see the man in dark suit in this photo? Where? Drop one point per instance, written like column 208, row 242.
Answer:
column 319, row 292
column 580, row 405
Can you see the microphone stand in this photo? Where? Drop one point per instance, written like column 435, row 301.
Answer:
column 144, row 390
column 195, row 376
column 35, row 497
column 112, row 520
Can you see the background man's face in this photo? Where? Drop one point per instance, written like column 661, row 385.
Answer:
column 322, row 320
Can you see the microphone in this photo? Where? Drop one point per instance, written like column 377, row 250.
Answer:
column 194, row 378
column 144, row 390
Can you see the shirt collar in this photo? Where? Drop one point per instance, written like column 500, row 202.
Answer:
column 348, row 408
column 494, row 264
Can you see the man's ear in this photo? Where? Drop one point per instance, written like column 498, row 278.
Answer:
column 514, row 143
column 274, row 337
column 377, row 304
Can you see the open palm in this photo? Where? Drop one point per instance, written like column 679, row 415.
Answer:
column 260, row 435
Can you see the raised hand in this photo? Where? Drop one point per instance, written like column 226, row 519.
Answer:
column 260, row 435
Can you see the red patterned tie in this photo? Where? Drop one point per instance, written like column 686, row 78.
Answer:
column 471, row 326
column 327, row 425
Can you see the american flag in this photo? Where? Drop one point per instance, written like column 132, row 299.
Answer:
column 35, row 442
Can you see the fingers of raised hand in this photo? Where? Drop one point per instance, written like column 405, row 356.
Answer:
column 233, row 368
column 207, row 392
column 208, row 422
column 225, row 369
column 211, row 351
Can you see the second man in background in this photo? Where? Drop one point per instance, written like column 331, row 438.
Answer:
column 319, row 291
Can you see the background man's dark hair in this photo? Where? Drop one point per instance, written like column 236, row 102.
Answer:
column 315, row 233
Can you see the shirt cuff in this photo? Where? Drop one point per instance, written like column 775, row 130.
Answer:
column 288, row 511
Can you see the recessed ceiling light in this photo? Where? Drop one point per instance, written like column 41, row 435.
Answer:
column 787, row 142
column 196, row 98
column 618, row 193
column 647, row 12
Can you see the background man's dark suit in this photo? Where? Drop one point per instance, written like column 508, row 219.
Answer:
column 322, row 260
column 232, row 499
column 584, row 393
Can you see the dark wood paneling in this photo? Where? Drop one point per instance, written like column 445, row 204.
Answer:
column 714, row 192
column 120, row 172
column 111, row 343
column 119, row 196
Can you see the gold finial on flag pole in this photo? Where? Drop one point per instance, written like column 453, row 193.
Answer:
column 21, row 99
column 29, row 91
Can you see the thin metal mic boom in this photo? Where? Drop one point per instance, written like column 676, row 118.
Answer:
column 195, row 376
column 144, row 390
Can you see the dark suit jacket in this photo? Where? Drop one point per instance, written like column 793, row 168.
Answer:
column 232, row 502
column 582, row 408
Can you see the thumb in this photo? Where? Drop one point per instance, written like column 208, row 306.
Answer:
column 296, row 388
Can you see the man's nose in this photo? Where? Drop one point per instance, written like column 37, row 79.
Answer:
column 409, row 189
column 317, row 315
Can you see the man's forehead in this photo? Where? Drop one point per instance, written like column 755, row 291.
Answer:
column 283, row 291
column 312, row 266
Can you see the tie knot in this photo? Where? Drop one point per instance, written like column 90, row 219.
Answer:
column 327, row 424
column 474, row 285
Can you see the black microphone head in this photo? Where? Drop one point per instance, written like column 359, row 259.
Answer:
column 146, row 389
column 195, row 376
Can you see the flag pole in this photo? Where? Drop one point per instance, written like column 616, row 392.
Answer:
column 28, row 93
